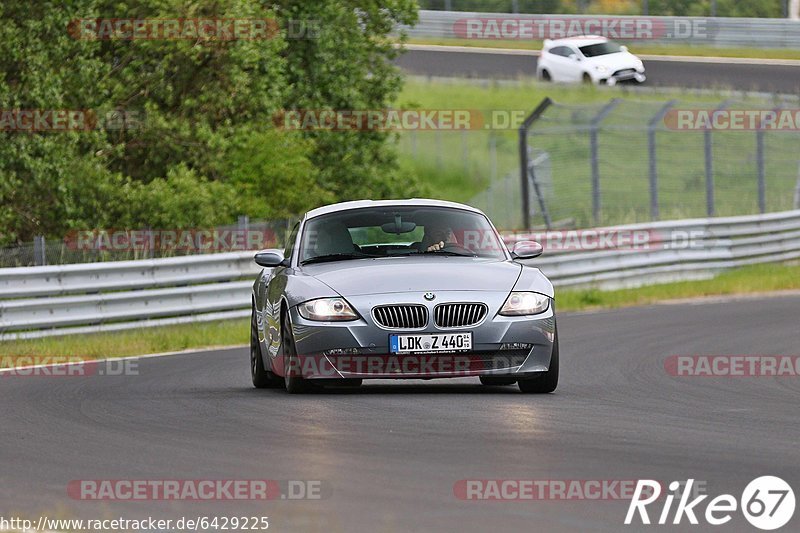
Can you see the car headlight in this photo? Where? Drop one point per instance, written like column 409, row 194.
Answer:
column 327, row 310
column 525, row 303
column 601, row 68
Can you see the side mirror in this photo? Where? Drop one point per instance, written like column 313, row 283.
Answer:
column 269, row 258
column 574, row 57
column 526, row 250
column 624, row 48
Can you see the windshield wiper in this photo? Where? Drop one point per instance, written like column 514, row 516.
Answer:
column 334, row 257
column 450, row 252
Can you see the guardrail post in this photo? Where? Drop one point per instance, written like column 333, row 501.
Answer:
column 523, row 160
column 39, row 255
column 593, row 130
column 652, row 127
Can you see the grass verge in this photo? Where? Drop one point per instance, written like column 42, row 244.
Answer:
column 748, row 280
column 132, row 342
column 636, row 48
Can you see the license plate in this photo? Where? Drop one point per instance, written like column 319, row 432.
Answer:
column 438, row 342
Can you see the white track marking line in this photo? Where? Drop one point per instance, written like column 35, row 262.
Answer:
column 125, row 358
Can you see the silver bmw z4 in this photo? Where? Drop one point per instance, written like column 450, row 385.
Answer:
column 393, row 289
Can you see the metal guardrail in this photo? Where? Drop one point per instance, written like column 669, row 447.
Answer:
column 82, row 298
column 706, row 31
column 42, row 301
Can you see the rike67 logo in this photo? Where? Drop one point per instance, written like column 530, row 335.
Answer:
column 767, row 503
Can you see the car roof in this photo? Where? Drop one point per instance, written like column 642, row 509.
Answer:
column 411, row 202
column 578, row 41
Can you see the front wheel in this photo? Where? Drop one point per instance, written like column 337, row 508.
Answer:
column 293, row 378
column 545, row 382
column 262, row 378
column 545, row 75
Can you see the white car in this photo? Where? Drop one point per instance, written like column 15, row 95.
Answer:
column 591, row 59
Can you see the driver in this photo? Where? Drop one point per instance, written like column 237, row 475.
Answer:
column 437, row 238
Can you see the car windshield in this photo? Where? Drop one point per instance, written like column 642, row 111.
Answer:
column 398, row 231
column 600, row 49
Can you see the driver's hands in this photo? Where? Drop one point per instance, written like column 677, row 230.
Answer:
column 436, row 247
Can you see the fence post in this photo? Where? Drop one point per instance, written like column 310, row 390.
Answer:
column 762, row 176
column 762, row 200
column 652, row 127
column 523, row 160
column 645, row 7
column 542, row 205
column 464, row 152
column 593, row 130
column 438, row 140
column 39, row 256
column 710, row 204
column 492, row 157
column 797, row 189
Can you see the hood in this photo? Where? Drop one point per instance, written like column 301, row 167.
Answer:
column 614, row 62
column 416, row 274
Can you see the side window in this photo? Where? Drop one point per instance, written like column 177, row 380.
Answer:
column 287, row 252
column 558, row 51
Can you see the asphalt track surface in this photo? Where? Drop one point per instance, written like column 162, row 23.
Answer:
column 783, row 79
column 389, row 453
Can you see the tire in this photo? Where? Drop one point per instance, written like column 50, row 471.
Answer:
column 262, row 378
column 294, row 383
column 546, row 75
column 545, row 382
column 497, row 381
column 587, row 80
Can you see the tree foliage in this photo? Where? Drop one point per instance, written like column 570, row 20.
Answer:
column 206, row 149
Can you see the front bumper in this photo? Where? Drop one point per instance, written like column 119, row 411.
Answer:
column 501, row 346
column 626, row 75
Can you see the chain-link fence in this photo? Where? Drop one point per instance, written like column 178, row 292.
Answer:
column 96, row 245
column 713, row 8
column 628, row 161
